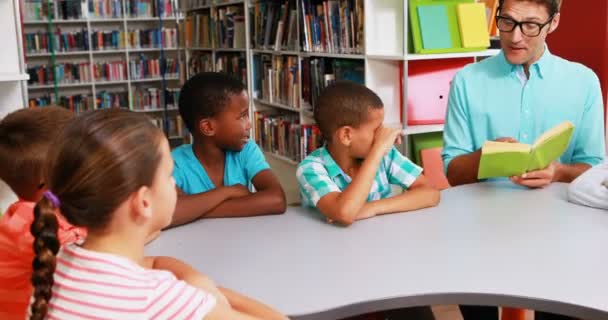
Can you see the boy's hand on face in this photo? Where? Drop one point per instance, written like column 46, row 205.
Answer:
column 238, row 191
column 385, row 138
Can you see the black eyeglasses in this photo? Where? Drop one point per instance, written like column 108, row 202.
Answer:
column 528, row 28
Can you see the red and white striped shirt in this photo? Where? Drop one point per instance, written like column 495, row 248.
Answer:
column 93, row 285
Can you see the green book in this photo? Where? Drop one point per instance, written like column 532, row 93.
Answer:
column 434, row 27
column 504, row 159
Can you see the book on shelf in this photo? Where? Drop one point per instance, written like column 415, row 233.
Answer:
column 150, row 98
column 76, row 103
column 274, row 25
column 229, row 28
column 234, row 64
column 40, row 42
column 152, row 38
column 282, row 134
column 276, row 79
column 333, row 26
column 106, row 99
column 318, row 73
column 110, row 71
column 145, row 68
column 199, row 30
column 69, row 9
column 504, row 159
column 107, row 40
column 196, row 4
column 65, row 73
column 200, row 62
column 105, row 9
column 36, row 10
column 151, row 8
column 173, row 127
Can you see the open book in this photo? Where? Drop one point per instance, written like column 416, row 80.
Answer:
column 504, row 159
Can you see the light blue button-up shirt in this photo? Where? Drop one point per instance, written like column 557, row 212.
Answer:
column 488, row 100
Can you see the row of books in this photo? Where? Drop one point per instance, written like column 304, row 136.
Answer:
column 145, row 68
column 224, row 28
column 334, row 26
column 81, row 102
column 195, row 4
column 151, row 8
column 174, row 126
column 283, row 135
column 150, row 98
column 153, row 38
column 199, row 30
column 275, row 25
column 41, row 9
column 65, row 72
column 78, row 9
column 234, row 64
column 276, row 79
column 318, row 73
column 106, row 99
column 200, row 62
column 110, row 71
column 104, row 9
column 37, row 9
column 76, row 103
column 40, row 42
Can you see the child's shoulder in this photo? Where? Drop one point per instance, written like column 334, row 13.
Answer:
column 183, row 151
column 314, row 159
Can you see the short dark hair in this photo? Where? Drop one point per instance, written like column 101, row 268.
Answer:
column 205, row 95
column 344, row 103
column 26, row 135
column 553, row 6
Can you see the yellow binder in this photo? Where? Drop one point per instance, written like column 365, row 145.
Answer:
column 473, row 25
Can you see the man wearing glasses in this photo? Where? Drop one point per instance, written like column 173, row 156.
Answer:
column 516, row 96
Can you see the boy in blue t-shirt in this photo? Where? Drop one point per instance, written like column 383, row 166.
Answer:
column 213, row 174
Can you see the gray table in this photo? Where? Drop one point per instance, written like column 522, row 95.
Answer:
column 491, row 243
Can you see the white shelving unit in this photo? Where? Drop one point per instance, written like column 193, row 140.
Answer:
column 91, row 24
column 386, row 59
column 211, row 6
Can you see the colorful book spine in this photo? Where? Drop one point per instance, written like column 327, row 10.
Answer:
column 110, row 71
column 200, row 62
column 274, row 25
column 146, row 68
column 40, row 42
column 333, row 26
column 107, row 40
column 76, row 103
column 318, row 73
column 105, row 99
column 105, row 9
column 283, row 135
column 234, row 64
column 152, row 38
column 276, row 79
column 150, row 8
column 66, row 73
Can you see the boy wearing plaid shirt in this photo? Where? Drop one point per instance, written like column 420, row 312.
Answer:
column 350, row 177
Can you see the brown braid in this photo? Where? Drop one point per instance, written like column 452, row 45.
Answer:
column 46, row 246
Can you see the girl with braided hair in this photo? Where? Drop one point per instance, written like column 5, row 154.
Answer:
column 115, row 180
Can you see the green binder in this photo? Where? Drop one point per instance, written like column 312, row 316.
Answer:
column 503, row 159
column 454, row 30
column 434, row 27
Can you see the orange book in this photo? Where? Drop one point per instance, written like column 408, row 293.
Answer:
column 491, row 9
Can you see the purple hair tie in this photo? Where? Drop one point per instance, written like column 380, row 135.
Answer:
column 52, row 198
